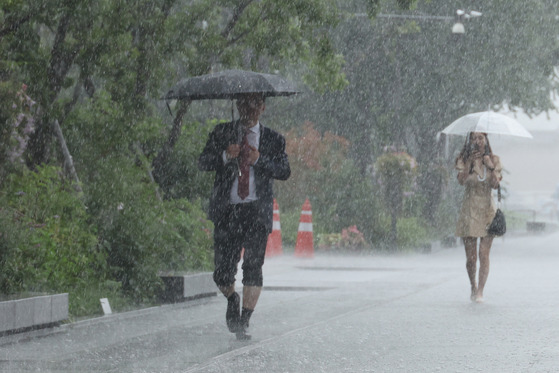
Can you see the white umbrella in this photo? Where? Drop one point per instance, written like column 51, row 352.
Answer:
column 488, row 122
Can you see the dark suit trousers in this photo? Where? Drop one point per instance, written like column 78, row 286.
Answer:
column 240, row 229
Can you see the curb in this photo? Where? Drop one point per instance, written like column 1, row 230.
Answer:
column 181, row 290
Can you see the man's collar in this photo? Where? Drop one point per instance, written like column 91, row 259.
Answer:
column 255, row 128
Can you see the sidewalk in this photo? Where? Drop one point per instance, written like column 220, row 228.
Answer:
column 192, row 333
column 397, row 313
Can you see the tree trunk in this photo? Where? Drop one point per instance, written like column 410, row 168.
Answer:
column 60, row 63
column 160, row 161
column 68, row 162
column 393, row 244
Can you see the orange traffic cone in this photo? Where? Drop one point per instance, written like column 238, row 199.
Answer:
column 304, row 247
column 273, row 248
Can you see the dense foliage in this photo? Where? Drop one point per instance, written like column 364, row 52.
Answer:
column 46, row 241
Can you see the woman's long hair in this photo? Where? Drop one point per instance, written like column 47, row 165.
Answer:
column 468, row 148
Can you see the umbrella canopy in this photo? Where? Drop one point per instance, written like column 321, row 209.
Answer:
column 229, row 84
column 488, row 122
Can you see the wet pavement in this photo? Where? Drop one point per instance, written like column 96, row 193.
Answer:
column 332, row 313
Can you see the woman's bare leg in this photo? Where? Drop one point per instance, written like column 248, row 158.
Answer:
column 484, row 249
column 470, row 245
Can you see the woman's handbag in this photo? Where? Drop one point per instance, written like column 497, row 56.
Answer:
column 498, row 226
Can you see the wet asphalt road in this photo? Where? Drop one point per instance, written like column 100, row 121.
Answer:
column 404, row 313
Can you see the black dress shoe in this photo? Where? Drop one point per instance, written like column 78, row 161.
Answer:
column 233, row 314
column 242, row 334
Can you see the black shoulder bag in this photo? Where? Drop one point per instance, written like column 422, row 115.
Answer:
column 498, row 226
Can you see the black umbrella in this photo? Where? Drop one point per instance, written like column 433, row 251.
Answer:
column 229, row 84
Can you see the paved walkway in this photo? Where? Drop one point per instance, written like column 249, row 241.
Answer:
column 405, row 313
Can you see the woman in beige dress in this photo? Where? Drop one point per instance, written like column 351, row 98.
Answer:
column 479, row 171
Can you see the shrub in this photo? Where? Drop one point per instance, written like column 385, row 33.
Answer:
column 47, row 245
column 143, row 236
column 411, row 233
column 351, row 239
column 329, row 241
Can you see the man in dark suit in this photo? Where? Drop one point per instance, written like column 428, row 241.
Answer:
column 246, row 158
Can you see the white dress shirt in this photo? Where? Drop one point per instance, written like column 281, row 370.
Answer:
column 253, row 137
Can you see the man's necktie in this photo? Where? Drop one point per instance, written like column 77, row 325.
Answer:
column 244, row 168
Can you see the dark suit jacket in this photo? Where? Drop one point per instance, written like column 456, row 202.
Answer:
column 272, row 164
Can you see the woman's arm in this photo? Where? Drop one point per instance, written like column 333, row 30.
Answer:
column 493, row 165
column 464, row 176
column 464, row 171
